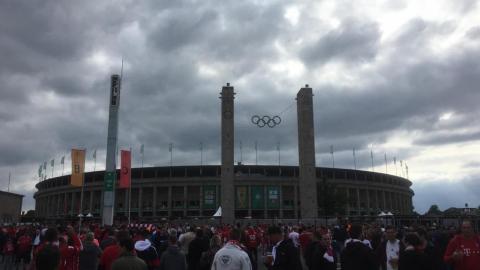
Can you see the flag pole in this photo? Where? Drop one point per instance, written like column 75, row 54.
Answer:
column 201, row 154
column 80, row 215
column 386, row 166
column 95, row 160
column 241, row 152
column 395, row 163
column 256, row 153
column 333, row 157
column 9, row 175
column 354, row 160
column 63, row 165
column 278, row 149
column 130, row 193
column 53, row 166
column 371, row 156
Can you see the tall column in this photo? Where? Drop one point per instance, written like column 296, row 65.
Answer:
column 111, row 164
column 306, row 154
column 227, row 175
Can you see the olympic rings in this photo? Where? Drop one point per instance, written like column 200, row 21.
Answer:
column 266, row 120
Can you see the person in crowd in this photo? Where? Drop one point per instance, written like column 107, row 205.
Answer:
column 127, row 259
column 463, row 251
column 340, row 235
column 285, row 255
column 48, row 258
column 159, row 240
column 69, row 254
column 108, row 238
column 231, row 256
column 173, row 258
column 304, row 238
column 433, row 255
column 196, row 248
column 46, row 255
column 412, row 258
column 388, row 252
column 185, row 239
column 310, row 249
column 251, row 243
column 112, row 252
column 207, row 257
column 90, row 254
column 356, row 255
column 146, row 251
column 324, row 256
column 24, row 247
column 294, row 236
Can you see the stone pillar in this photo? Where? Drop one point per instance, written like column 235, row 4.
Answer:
column 228, row 143
column 306, row 154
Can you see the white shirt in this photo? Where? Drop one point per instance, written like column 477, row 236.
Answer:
column 393, row 251
column 231, row 257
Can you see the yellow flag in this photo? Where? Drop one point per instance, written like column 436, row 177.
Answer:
column 78, row 167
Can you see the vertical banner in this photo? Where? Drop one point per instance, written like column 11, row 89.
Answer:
column 209, row 197
column 78, row 167
column 125, row 169
column 273, row 197
column 241, row 197
column 257, row 197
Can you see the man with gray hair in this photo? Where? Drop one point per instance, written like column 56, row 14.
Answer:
column 173, row 258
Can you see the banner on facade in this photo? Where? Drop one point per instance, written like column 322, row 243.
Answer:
column 125, row 169
column 242, row 197
column 273, row 197
column 78, row 167
column 257, row 197
column 209, row 197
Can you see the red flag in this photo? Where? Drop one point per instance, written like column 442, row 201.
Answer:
column 125, row 169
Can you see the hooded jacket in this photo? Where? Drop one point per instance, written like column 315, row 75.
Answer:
column 173, row 259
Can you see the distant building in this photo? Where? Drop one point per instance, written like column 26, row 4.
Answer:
column 10, row 207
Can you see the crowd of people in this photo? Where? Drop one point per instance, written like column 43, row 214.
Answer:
column 225, row 247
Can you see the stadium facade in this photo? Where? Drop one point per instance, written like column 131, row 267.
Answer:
column 261, row 192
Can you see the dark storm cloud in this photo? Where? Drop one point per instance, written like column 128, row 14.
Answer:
column 353, row 41
column 54, row 98
column 446, row 138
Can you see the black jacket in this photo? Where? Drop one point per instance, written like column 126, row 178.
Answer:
column 358, row 256
column 319, row 262
column 287, row 257
column 413, row 260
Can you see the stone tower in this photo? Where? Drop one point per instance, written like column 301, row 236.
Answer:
column 228, row 143
column 306, row 154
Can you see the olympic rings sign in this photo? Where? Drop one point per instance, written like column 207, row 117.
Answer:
column 266, row 120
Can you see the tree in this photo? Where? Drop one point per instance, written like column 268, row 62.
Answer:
column 434, row 210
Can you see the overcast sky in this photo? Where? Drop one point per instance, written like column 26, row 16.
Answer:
column 395, row 77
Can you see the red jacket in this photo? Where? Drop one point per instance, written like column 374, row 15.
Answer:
column 69, row 257
column 109, row 255
column 471, row 252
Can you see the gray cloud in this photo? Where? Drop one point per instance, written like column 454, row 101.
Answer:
column 53, row 98
column 353, row 41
